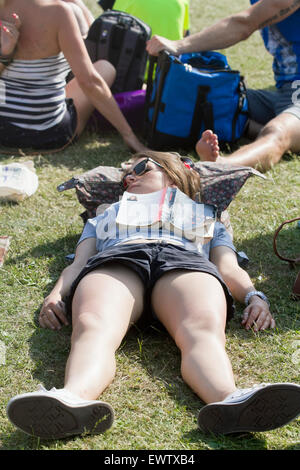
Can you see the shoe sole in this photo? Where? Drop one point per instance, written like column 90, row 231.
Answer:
column 51, row 418
column 268, row 408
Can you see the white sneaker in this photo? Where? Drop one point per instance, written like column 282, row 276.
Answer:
column 260, row 408
column 56, row 414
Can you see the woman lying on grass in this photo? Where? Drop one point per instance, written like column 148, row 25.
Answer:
column 119, row 272
column 40, row 43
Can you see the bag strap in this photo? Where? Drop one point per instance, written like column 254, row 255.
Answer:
column 238, row 111
column 152, row 62
column 134, row 46
column 107, row 47
column 203, row 113
column 125, row 55
column 106, row 4
column 163, row 64
column 292, row 261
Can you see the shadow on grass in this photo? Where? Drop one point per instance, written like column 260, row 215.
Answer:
column 274, row 276
column 160, row 357
column 90, row 151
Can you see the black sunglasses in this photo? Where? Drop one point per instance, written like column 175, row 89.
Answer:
column 139, row 169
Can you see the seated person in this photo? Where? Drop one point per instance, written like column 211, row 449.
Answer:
column 169, row 18
column 274, row 114
column 189, row 293
column 37, row 109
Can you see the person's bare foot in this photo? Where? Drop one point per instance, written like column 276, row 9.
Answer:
column 207, row 147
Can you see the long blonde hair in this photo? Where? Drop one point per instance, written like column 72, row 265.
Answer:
column 187, row 180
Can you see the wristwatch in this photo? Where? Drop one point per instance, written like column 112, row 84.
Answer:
column 259, row 294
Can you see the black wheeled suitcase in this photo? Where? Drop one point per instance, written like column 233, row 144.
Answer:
column 121, row 39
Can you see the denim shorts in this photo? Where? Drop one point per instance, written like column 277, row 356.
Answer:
column 265, row 105
column 150, row 261
column 55, row 137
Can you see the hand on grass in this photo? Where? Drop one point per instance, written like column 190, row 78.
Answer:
column 257, row 315
column 53, row 313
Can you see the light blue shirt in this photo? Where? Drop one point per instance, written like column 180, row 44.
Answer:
column 103, row 228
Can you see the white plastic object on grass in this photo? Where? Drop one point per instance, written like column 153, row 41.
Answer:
column 17, row 181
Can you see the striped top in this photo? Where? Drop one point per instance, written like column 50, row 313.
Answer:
column 32, row 92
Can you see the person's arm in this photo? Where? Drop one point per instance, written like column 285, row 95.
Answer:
column 89, row 80
column 230, row 30
column 257, row 314
column 52, row 314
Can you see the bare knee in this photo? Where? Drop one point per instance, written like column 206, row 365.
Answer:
column 277, row 134
column 193, row 330
column 106, row 70
column 84, row 322
column 93, row 326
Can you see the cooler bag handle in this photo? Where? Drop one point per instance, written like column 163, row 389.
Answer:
column 163, row 63
column 152, row 62
column 203, row 113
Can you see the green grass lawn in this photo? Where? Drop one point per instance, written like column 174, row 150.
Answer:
column 154, row 408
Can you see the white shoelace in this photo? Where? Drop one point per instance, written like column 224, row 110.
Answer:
column 241, row 392
column 62, row 393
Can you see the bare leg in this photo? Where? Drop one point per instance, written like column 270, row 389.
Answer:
column 109, row 107
column 192, row 306
column 106, row 302
column 280, row 135
column 83, row 106
column 253, row 130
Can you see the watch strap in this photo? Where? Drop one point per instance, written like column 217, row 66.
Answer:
column 258, row 293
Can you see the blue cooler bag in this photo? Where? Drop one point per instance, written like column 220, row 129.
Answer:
column 189, row 94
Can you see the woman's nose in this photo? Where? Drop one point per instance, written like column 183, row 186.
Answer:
column 131, row 177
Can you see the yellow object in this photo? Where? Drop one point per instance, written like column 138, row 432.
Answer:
column 167, row 18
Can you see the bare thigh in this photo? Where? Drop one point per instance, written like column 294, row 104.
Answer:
column 187, row 302
column 109, row 299
column 286, row 127
column 292, row 125
column 84, row 107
